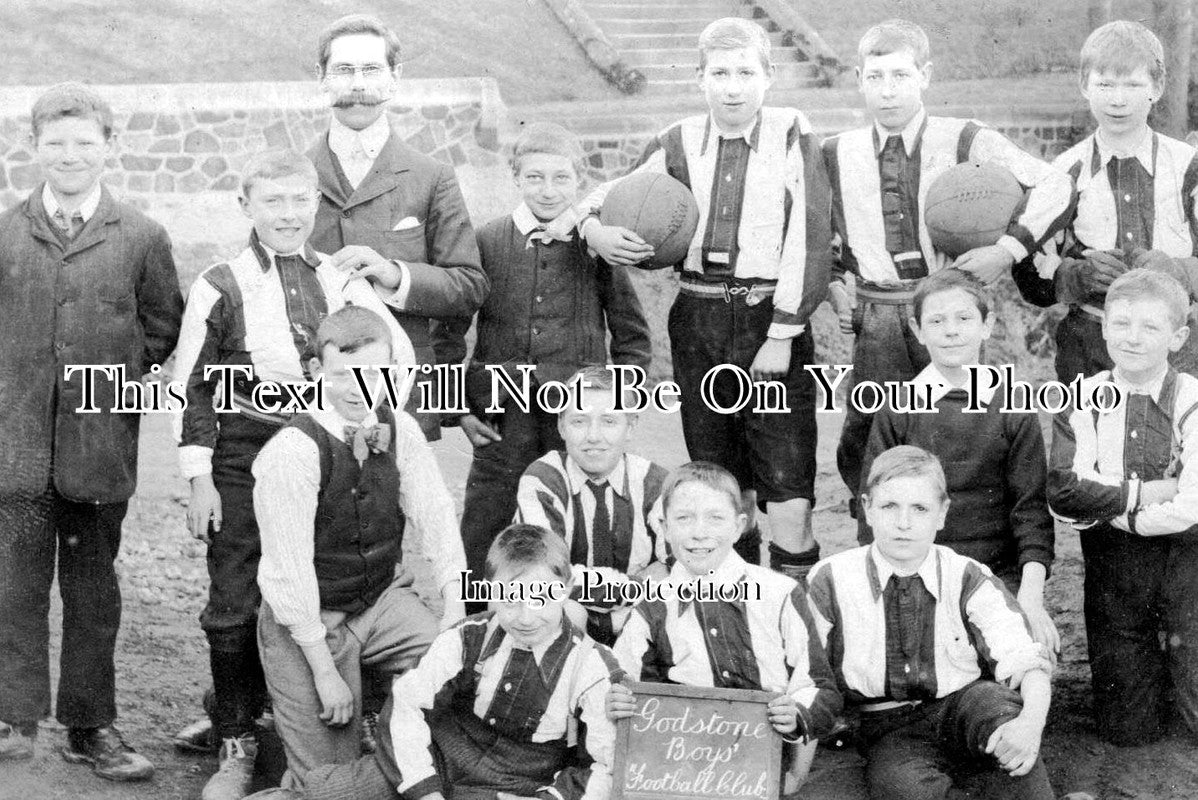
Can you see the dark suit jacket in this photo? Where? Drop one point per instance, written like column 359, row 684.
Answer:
column 109, row 296
column 441, row 254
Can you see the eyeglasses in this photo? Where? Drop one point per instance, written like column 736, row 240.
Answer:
column 346, row 72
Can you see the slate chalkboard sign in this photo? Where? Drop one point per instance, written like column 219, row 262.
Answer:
column 696, row 743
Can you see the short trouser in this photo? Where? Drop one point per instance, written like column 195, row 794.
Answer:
column 770, row 453
column 1142, row 629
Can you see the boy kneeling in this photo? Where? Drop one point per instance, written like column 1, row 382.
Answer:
column 491, row 710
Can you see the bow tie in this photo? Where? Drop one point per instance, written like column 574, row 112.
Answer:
column 367, row 439
column 542, row 235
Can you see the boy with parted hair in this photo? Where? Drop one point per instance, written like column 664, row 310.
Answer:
column 259, row 310
column 929, row 648
column 761, row 640
column 1128, row 478
column 507, row 703
column 84, row 279
column 1137, row 200
column 880, row 176
column 335, row 492
column 551, row 305
column 604, row 501
column 756, row 270
column 995, row 461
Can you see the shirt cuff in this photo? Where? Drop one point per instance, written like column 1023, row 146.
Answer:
column 399, row 298
column 1014, row 247
column 780, row 331
column 584, row 224
column 308, row 633
column 1133, row 495
column 194, row 461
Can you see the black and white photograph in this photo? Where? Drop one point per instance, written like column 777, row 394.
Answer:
column 599, row 400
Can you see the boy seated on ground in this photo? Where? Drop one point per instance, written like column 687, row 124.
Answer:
column 1128, row 478
column 335, row 490
column 929, row 648
column 996, row 466
column 507, row 702
column 708, row 643
column 604, row 501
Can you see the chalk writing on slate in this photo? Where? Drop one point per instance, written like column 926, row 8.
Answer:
column 691, row 742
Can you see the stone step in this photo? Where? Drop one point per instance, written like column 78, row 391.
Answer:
column 711, row 9
column 673, row 41
column 787, row 74
column 689, row 56
column 687, row 25
column 684, row 85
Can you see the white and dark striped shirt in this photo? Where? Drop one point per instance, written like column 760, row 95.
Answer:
column 247, row 311
column 764, row 642
column 933, row 145
column 976, row 627
column 781, row 217
column 562, row 678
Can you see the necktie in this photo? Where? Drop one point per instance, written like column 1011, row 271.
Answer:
column 904, row 604
column 70, row 227
column 367, row 439
column 541, row 234
column 601, row 543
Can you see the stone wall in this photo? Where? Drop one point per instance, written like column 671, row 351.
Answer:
column 191, row 138
column 181, row 147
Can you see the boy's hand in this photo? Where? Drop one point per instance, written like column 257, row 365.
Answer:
column 203, row 506
column 478, row 432
column 332, row 619
column 1016, row 745
column 335, row 698
column 1101, row 270
column 1158, row 491
column 364, row 262
column 621, row 703
column 772, row 360
column 784, row 714
column 987, row 264
column 616, row 245
column 839, row 295
column 1044, row 630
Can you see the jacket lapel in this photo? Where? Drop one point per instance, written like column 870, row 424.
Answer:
column 96, row 229
column 322, row 156
column 384, row 176
column 39, row 222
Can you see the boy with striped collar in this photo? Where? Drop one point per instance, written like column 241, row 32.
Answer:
column 880, row 176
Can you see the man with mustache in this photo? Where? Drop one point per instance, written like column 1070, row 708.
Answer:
column 395, row 215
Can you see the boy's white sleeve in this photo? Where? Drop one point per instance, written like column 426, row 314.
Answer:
column 286, row 485
column 427, row 505
column 592, row 782
column 412, row 694
column 635, row 640
column 812, row 684
column 1049, row 196
column 995, row 616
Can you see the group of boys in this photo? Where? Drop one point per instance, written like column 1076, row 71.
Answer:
column 916, row 635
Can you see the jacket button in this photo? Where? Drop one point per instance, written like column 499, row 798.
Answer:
column 346, row 213
column 536, row 331
column 60, row 346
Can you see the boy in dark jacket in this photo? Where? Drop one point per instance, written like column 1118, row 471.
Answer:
column 84, row 279
column 551, row 305
column 994, row 460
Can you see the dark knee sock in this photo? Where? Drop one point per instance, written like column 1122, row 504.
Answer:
column 238, row 690
column 794, row 565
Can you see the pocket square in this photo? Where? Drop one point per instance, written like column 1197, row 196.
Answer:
column 406, row 223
